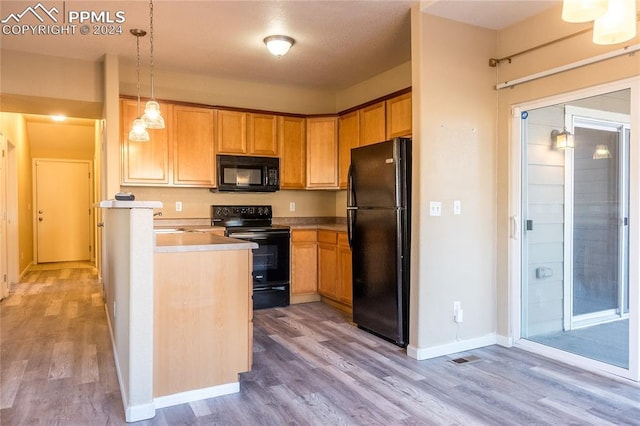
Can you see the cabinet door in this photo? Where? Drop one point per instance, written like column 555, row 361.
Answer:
column 322, row 152
column 193, row 146
column 327, row 263
column 304, row 262
column 262, row 134
column 345, row 289
column 292, row 141
column 232, row 132
column 399, row 116
column 372, row 124
column 145, row 163
column 348, row 137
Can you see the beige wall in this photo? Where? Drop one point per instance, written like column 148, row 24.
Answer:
column 454, row 158
column 520, row 37
column 196, row 202
column 14, row 128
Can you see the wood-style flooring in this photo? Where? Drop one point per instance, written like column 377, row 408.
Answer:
column 311, row 367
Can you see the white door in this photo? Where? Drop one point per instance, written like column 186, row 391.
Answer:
column 62, row 210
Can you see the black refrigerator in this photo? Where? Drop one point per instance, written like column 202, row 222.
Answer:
column 378, row 222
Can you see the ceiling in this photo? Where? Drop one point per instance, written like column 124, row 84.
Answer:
column 338, row 42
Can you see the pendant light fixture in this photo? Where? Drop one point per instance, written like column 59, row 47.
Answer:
column 617, row 25
column 583, row 10
column 152, row 117
column 138, row 131
column 601, row 152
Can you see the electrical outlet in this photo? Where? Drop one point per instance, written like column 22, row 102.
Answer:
column 178, row 206
column 435, row 208
column 457, row 311
column 292, row 206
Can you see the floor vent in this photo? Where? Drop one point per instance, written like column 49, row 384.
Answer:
column 465, row 360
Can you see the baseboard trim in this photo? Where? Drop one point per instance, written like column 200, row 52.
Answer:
column 451, row 348
column 505, row 341
column 196, row 395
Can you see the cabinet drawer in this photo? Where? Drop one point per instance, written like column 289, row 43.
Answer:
column 308, row 235
column 343, row 239
column 329, row 237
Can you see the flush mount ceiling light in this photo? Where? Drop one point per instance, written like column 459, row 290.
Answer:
column 583, row 10
column 138, row 131
column 152, row 117
column 563, row 139
column 278, row 45
column 617, row 25
column 58, row 118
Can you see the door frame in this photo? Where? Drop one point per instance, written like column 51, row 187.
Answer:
column 35, row 202
column 515, row 270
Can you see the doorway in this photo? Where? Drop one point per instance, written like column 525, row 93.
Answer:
column 576, row 286
column 63, row 212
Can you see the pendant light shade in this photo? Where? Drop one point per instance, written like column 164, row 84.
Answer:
column 601, row 152
column 278, row 45
column 618, row 24
column 138, row 131
column 583, row 10
column 152, row 117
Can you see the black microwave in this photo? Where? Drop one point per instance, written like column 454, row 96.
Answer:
column 248, row 173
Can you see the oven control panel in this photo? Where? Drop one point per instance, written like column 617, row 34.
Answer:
column 241, row 212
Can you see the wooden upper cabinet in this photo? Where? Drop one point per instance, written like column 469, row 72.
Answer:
column 231, row 132
column 399, row 116
column 144, row 163
column 372, row 124
column 193, row 148
column 322, row 152
column 292, row 148
column 262, row 134
column 348, row 137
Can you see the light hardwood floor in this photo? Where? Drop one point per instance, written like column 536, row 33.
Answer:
column 311, row 367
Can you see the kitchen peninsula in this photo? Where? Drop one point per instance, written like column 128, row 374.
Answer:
column 179, row 310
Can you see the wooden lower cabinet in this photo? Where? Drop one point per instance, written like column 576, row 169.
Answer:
column 202, row 319
column 304, row 266
column 334, row 269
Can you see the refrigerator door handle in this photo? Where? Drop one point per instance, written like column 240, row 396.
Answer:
column 351, row 208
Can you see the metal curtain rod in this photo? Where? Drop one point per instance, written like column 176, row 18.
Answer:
column 628, row 50
column 494, row 62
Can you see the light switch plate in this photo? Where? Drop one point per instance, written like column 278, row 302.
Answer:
column 457, row 207
column 435, row 208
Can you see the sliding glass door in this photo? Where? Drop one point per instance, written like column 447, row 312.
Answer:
column 575, row 238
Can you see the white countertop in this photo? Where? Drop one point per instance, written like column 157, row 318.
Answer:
column 198, row 241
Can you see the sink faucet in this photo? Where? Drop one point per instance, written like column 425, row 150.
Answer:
column 158, row 214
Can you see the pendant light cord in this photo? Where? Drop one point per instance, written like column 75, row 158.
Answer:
column 151, row 48
column 138, row 71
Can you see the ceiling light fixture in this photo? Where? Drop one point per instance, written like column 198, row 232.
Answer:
column 617, row 25
column 583, row 10
column 138, row 131
column 279, row 45
column 152, row 116
column 58, row 118
column 563, row 139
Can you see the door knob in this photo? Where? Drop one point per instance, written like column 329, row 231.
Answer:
column 39, row 211
column 40, row 219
